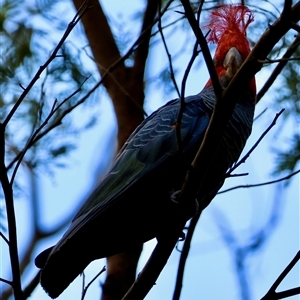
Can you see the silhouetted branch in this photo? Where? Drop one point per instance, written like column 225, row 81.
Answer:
column 289, row 52
column 204, row 47
column 11, row 224
column 182, row 96
column 183, row 256
column 55, row 107
column 241, row 161
column 84, row 8
column 168, row 53
column 260, row 184
column 85, row 288
column 272, row 294
column 258, row 116
column 159, row 257
column 6, row 281
column 4, row 238
column 283, row 59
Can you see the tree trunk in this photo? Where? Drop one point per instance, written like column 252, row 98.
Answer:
column 125, row 86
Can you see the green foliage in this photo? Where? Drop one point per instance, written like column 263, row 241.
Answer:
column 26, row 46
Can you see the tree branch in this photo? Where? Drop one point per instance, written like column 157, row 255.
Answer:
column 184, row 256
column 271, row 294
column 85, row 288
column 168, row 55
column 260, row 184
column 241, row 161
column 82, row 10
column 289, row 52
column 204, row 47
column 11, row 220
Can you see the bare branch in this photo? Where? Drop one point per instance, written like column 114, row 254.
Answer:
column 283, row 59
column 203, row 44
column 83, row 9
column 168, row 55
column 89, row 284
column 256, row 144
column 4, row 238
column 271, row 294
column 37, row 134
column 6, row 281
column 260, row 184
column 184, row 256
column 10, row 210
column 289, row 52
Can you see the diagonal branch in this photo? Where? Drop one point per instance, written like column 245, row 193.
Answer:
column 271, row 294
column 289, row 52
column 246, row 156
column 184, row 256
column 82, row 10
column 168, row 55
column 204, row 47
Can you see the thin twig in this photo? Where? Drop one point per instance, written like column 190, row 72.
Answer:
column 289, row 52
column 31, row 140
column 10, row 210
column 4, row 238
column 182, row 97
column 283, row 59
column 167, row 52
column 89, row 284
column 258, row 116
column 204, row 47
column 83, row 9
column 260, row 184
column 241, row 161
column 6, row 281
column 271, row 294
column 184, row 256
column 23, row 152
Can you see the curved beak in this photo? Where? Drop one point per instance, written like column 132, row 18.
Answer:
column 232, row 61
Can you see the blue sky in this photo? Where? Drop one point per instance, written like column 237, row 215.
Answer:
column 210, row 270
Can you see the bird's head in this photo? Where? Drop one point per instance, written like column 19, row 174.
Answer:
column 227, row 25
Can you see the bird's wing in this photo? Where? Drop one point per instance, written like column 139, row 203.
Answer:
column 145, row 155
column 149, row 146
